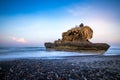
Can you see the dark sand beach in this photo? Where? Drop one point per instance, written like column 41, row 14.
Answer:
column 97, row 67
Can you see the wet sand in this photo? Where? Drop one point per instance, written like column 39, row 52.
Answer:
column 69, row 68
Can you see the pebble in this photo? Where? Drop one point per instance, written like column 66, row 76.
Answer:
column 0, row 68
column 59, row 70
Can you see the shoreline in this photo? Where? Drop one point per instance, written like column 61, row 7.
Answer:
column 58, row 57
column 92, row 67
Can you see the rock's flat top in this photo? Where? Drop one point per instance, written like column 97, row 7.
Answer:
column 81, row 47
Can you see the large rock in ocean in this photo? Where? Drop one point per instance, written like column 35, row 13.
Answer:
column 78, row 34
column 77, row 39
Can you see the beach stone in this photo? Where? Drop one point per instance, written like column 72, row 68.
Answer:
column 62, row 69
column 0, row 68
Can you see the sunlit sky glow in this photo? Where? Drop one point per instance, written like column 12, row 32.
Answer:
column 33, row 22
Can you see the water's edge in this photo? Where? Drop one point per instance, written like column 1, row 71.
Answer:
column 41, row 52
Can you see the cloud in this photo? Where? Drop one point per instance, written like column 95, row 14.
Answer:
column 73, row 12
column 21, row 40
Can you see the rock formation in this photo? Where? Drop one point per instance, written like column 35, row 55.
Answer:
column 77, row 39
column 78, row 34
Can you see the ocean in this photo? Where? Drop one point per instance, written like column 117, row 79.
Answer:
column 42, row 53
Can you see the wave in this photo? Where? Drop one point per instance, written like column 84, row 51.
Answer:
column 111, row 51
column 20, row 49
column 114, row 48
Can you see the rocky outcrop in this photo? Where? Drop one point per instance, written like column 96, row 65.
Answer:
column 77, row 39
column 78, row 34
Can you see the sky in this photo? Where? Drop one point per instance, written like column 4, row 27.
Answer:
column 34, row 22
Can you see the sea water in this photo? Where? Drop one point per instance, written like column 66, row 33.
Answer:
column 41, row 52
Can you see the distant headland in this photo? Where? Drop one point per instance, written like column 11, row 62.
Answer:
column 77, row 40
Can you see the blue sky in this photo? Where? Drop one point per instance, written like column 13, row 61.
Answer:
column 33, row 22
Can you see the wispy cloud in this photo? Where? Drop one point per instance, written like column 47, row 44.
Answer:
column 73, row 12
column 21, row 40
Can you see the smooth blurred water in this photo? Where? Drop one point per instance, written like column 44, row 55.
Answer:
column 113, row 51
column 41, row 52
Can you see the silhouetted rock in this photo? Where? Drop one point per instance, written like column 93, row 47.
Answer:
column 81, row 25
column 77, row 39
